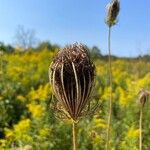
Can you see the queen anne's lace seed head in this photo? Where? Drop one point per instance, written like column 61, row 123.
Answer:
column 72, row 78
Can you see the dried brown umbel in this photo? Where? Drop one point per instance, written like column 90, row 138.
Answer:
column 113, row 9
column 72, row 78
column 143, row 96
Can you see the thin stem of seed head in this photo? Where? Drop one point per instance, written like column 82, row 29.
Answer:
column 140, row 127
column 110, row 85
column 1, row 65
column 74, row 134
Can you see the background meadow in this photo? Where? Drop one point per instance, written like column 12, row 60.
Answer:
column 25, row 96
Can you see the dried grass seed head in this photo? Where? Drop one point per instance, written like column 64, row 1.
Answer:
column 113, row 9
column 72, row 78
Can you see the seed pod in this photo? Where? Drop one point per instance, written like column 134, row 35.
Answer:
column 143, row 96
column 113, row 9
column 72, row 75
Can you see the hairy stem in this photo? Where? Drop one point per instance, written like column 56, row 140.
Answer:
column 140, row 127
column 110, row 85
column 74, row 133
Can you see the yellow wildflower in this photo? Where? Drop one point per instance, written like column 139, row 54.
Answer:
column 21, row 98
column 133, row 133
column 40, row 94
column 99, row 123
column 44, row 132
column 8, row 133
column 36, row 110
column 23, row 126
column 2, row 144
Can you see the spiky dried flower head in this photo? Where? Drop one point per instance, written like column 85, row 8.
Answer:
column 113, row 9
column 143, row 96
column 72, row 78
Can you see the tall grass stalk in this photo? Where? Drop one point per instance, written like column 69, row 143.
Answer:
column 1, row 65
column 113, row 9
column 140, row 128
column 110, row 85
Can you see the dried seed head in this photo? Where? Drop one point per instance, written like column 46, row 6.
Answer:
column 143, row 96
column 113, row 9
column 72, row 78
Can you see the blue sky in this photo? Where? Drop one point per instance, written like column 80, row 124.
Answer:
column 68, row 21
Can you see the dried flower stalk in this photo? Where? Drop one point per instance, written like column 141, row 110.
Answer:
column 1, row 66
column 72, row 76
column 143, row 98
column 112, row 12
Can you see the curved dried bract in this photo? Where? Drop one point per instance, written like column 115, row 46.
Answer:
column 71, row 76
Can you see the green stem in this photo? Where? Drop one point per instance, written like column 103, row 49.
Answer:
column 74, row 133
column 110, row 85
column 140, row 127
